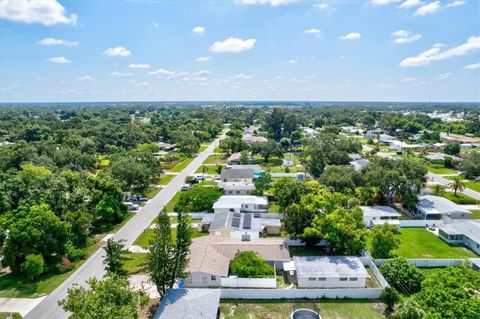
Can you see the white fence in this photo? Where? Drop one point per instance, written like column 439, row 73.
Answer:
column 428, row 263
column 367, row 261
column 420, row 223
column 235, row 282
column 354, row 293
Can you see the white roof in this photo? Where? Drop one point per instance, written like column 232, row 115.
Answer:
column 440, row 156
column 234, row 201
column 394, row 222
column 329, row 266
column 470, row 228
column 430, row 204
column 379, row 211
column 236, row 186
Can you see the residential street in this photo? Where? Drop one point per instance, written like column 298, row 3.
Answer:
column 443, row 181
column 93, row 267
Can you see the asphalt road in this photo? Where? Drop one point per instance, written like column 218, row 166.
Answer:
column 443, row 181
column 93, row 266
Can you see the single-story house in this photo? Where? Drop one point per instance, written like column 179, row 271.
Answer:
column 435, row 207
column 359, row 164
column 257, row 169
column 241, row 204
column 379, row 215
column 189, row 304
column 166, row 146
column 230, row 175
column 245, row 226
column 441, row 157
column 250, row 138
column 237, row 188
column 385, row 138
column 210, row 256
column 234, row 159
column 330, row 272
column 465, row 232
column 355, row 156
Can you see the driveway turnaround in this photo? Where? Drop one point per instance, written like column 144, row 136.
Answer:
column 93, row 267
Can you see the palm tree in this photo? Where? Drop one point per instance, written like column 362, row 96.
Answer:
column 457, row 184
column 438, row 190
column 204, row 169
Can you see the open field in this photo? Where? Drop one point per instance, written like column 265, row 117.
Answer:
column 282, row 309
column 420, row 243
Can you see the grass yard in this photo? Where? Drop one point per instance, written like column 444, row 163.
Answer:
column 4, row 315
column 475, row 214
column 420, row 243
column 144, row 237
column 171, row 204
column 216, row 159
column 202, row 148
column 134, row 263
column 165, row 179
column 180, row 166
column 442, row 170
column 460, row 198
column 152, row 191
column 475, row 186
column 211, row 169
column 282, row 309
column 217, row 150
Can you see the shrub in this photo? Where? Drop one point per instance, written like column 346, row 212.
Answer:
column 248, row 264
column 402, row 275
column 390, row 297
column 33, row 266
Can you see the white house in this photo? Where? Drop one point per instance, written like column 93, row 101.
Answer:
column 385, row 138
column 330, row 272
column 237, row 181
column 241, row 204
column 434, row 208
column 441, row 157
column 464, row 232
column 379, row 215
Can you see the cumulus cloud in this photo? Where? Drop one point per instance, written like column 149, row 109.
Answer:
column 321, row 6
column 44, row 12
column 117, row 51
column 313, row 31
column 472, row 66
column 59, row 60
column 351, row 36
column 444, row 76
column 198, row 30
column 143, row 84
column 203, row 58
column 85, row 78
column 138, row 66
column 435, row 53
column 169, row 74
column 402, row 37
column 273, row 3
column 292, row 61
column 409, row 79
column 410, row 4
column 428, row 8
column 52, row 41
column 382, row 2
column 233, row 45
column 155, row 24
column 121, row 74
column 456, row 3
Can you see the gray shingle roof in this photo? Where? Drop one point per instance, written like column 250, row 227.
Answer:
column 228, row 173
column 189, row 304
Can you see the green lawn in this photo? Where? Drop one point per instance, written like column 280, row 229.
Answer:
column 420, row 243
column 20, row 287
column 282, row 309
column 152, row 191
column 144, row 238
column 442, row 170
column 473, row 186
column 202, row 148
column 165, row 179
column 460, row 198
column 216, row 159
column 171, row 204
column 475, row 214
column 273, row 208
column 134, row 263
column 4, row 315
column 217, row 150
column 180, row 166
column 211, row 169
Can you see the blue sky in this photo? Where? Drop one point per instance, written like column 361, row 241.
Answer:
column 140, row 50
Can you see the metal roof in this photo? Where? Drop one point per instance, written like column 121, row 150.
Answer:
column 189, row 304
column 329, row 266
column 430, row 204
column 469, row 228
column 379, row 211
column 236, row 201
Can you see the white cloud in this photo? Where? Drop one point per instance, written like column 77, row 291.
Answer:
column 313, row 31
column 233, row 45
column 118, row 51
column 402, row 37
column 203, row 58
column 409, row 79
column 321, row 6
column 410, row 3
column 472, row 66
column 240, row 76
column 273, row 3
column 351, row 36
column 198, row 30
column 169, row 74
column 384, row 86
column 85, row 78
column 435, row 53
column 44, row 12
column 155, row 24
column 52, row 41
column 59, row 59
column 162, row 72
column 138, row 66
column 456, row 3
column 292, row 61
column 382, row 2
column 121, row 74
column 428, row 8
column 143, row 84
column 444, row 76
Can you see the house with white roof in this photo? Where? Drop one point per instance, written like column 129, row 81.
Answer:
column 330, row 272
column 435, row 208
column 241, row 204
column 441, row 157
column 237, row 181
column 461, row 232
column 379, row 215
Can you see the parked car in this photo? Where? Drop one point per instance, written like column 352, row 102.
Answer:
column 132, row 206
column 185, row 187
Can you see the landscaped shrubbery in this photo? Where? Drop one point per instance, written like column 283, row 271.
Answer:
column 247, row 264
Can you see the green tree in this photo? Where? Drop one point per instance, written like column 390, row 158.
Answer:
column 402, row 275
column 452, row 149
column 197, row 199
column 390, row 297
column 383, row 240
column 457, row 184
column 114, row 257
column 168, row 257
column 131, row 173
column 438, row 190
column 247, row 264
column 288, row 191
column 471, row 165
column 262, row 183
column 33, row 266
column 267, row 150
column 109, row 298
column 340, row 178
column 274, row 122
column 296, row 218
